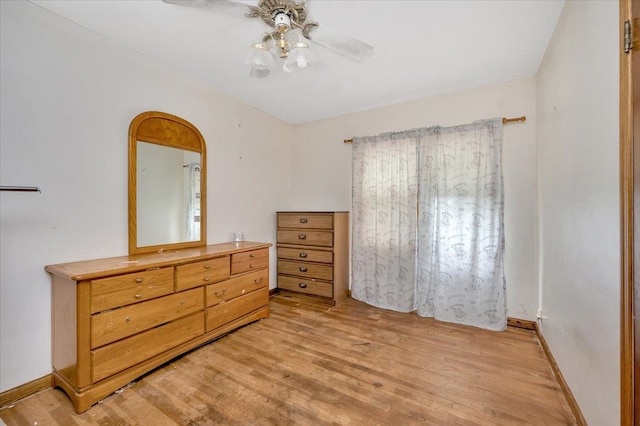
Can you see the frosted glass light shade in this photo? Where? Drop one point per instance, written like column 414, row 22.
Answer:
column 299, row 57
column 261, row 61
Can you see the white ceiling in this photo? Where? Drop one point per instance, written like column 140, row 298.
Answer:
column 421, row 48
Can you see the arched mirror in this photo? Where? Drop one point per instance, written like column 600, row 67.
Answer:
column 167, row 184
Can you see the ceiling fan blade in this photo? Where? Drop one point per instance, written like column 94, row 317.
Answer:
column 221, row 6
column 337, row 41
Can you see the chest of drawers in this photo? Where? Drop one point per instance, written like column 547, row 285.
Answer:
column 118, row 318
column 313, row 254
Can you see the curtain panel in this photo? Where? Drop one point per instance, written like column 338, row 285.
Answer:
column 384, row 220
column 428, row 227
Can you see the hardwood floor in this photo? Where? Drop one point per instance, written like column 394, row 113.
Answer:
column 312, row 364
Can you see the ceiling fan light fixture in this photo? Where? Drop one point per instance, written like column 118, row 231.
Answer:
column 261, row 60
column 299, row 57
column 282, row 21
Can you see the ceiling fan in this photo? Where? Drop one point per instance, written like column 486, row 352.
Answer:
column 288, row 39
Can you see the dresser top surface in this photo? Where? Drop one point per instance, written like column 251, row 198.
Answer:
column 310, row 212
column 97, row 268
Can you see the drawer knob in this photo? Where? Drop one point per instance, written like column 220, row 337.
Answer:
column 252, row 255
column 182, row 302
column 303, row 220
column 127, row 319
column 139, row 280
column 221, row 294
column 302, row 285
column 138, row 295
column 252, row 266
column 303, row 254
column 206, row 278
column 302, row 237
column 258, row 281
column 207, row 266
column 303, row 269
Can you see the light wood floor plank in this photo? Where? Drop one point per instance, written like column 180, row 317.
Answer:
column 313, row 364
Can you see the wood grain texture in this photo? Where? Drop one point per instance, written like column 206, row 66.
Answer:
column 521, row 323
column 317, row 264
column 305, row 238
column 224, row 291
column 110, row 326
column 575, row 408
column 172, row 131
column 342, row 248
column 320, row 256
column 139, row 335
column 629, row 216
column 98, row 268
column 19, row 392
column 352, row 364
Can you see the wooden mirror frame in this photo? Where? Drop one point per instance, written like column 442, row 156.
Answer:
column 168, row 130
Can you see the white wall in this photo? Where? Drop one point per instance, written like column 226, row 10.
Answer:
column 68, row 97
column 578, row 173
column 322, row 166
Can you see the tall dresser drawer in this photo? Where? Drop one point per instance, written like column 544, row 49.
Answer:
column 109, row 326
column 305, row 221
column 121, row 355
column 307, row 270
column 313, row 254
column 249, row 261
column 226, row 312
column 201, row 273
column 305, row 238
column 114, row 292
column 307, row 286
column 221, row 292
column 305, row 254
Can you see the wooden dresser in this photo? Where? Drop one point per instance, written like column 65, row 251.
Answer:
column 313, row 254
column 115, row 319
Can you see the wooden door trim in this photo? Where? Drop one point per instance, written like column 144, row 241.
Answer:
column 629, row 240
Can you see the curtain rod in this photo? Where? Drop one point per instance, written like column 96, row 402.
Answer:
column 505, row 120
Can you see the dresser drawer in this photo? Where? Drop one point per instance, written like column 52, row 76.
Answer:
column 305, row 220
column 244, row 262
column 306, row 255
column 130, row 294
column 129, row 281
column 226, row 290
column 305, row 238
column 200, row 273
column 307, row 270
column 109, row 326
column 249, row 255
column 228, row 311
column 306, row 286
column 121, row 355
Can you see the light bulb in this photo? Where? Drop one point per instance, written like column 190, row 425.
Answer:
column 299, row 57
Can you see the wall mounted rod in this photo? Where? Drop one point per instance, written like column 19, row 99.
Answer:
column 505, row 120
column 20, row 188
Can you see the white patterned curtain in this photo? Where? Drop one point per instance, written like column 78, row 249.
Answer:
column 460, row 226
column 449, row 261
column 385, row 191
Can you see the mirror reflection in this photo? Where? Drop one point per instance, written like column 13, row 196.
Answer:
column 167, row 184
column 168, row 194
